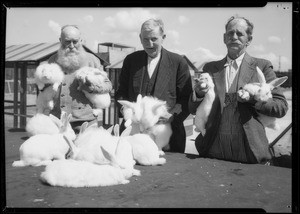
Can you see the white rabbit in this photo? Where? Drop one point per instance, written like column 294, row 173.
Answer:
column 204, row 109
column 86, row 147
column 148, row 113
column 96, row 86
column 44, row 124
column 132, row 113
column 144, row 149
column 88, row 143
column 71, row 173
column 41, row 149
column 47, row 77
column 154, row 121
column 261, row 92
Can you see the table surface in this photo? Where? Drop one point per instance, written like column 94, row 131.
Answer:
column 185, row 181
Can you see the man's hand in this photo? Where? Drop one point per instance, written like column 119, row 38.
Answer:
column 244, row 96
column 200, row 88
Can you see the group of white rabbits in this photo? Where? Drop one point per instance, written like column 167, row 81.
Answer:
column 261, row 91
column 96, row 156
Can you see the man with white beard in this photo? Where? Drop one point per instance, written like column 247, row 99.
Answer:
column 71, row 56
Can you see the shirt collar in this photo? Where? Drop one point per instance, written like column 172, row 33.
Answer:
column 237, row 60
column 154, row 59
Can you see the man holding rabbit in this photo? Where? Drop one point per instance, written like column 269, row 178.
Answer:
column 233, row 130
column 72, row 56
column 157, row 72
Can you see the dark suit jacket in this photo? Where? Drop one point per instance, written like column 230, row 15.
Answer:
column 173, row 84
column 254, row 130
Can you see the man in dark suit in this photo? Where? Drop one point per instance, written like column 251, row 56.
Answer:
column 157, row 72
column 233, row 131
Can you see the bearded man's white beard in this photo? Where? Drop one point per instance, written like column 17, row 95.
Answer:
column 71, row 61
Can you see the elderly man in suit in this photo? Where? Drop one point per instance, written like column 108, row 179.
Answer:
column 233, row 131
column 157, row 72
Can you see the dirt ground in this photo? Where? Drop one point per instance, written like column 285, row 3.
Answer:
column 185, row 181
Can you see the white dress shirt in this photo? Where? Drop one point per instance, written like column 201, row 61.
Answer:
column 232, row 68
column 152, row 63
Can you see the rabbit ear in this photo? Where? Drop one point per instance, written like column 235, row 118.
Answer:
column 117, row 130
column 110, row 129
column 126, row 103
column 139, row 98
column 110, row 157
column 71, row 144
column 277, row 82
column 260, row 75
column 83, row 127
column 157, row 105
column 126, row 132
column 57, row 121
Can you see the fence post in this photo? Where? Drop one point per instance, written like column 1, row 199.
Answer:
column 16, row 86
column 23, row 95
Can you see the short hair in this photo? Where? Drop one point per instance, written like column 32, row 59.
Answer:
column 147, row 25
column 250, row 27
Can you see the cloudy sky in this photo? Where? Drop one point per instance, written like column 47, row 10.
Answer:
column 196, row 32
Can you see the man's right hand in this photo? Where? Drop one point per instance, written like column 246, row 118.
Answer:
column 200, row 88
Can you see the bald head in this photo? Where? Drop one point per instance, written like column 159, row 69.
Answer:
column 70, row 36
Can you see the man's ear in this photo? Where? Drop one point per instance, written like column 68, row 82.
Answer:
column 224, row 38
column 249, row 40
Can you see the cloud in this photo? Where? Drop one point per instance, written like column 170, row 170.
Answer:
column 203, row 54
column 274, row 39
column 173, row 36
column 183, row 19
column 257, row 48
column 54, row 27
column 88, row 19
column 285, row 62
column 129, row 21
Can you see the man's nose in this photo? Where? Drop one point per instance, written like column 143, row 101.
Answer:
column 71, row 45
column 234, row 36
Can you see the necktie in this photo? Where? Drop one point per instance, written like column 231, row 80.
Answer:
column 232, row 71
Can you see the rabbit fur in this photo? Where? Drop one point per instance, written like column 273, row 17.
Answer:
column 41, row 149
column 45, row 124
column 204, row 109
column 132, row 113
column 47, row 74
column 86, row 147
column 144, row 149
column 146, row 114
column 261, row 92
column 72, row 173
column 96, row 86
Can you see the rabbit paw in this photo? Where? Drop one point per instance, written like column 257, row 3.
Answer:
column 243, row 95
column 97, row 112
column 161, row 153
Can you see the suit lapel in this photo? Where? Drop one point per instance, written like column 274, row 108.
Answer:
column 219, row 79
column 141, row 63
column 247, row 70
column 163, row 74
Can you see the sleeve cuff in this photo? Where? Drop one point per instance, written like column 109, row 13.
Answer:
column 195, row 98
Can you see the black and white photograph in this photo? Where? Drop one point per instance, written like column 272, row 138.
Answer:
column 148, row 107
